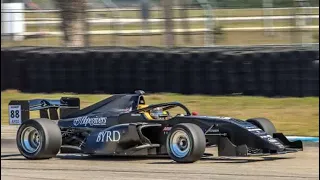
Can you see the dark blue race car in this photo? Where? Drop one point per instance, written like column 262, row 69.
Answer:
column 124, row 124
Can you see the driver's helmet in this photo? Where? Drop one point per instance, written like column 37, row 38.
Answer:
column 158, row 113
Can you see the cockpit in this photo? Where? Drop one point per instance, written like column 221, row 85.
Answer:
column 161, row 111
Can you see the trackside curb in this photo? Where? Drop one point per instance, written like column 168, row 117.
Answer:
column 303, row 138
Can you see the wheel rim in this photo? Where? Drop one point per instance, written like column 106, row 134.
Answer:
column 180, row 143
column 30, row 139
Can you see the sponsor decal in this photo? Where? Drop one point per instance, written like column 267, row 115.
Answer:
column 98, row 121
column 135, row 114
column 221, row 117
column 218, row 117
column 108, row 136
column 167, row 128
column 272, row 140
column 266, row 137
column 213, row 130
column 254, row 129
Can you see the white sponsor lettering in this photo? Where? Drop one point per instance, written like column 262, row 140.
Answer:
column 272, row 140
column 221, row 117
column 266, row 137
column 213, row 130
column 91, row 121
column 108, row 136
column 167, row 128
column 101, row 136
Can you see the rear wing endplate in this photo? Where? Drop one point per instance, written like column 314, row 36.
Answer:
column 19, row 110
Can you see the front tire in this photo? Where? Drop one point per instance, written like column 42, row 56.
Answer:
column 186, row 143
column 39, row 139
column 265, row 124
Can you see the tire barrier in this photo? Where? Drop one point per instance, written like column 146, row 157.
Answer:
column 255, row 71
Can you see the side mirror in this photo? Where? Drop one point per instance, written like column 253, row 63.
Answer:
column 194, row 113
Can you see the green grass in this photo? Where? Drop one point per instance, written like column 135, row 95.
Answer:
column 228, row 38
column 292, row 116
column 177, row 25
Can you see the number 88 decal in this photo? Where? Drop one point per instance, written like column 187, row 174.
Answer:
column 14, row 114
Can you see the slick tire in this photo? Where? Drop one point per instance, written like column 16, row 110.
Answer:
column 265, row 124
column 39, row 139
column 186, row 143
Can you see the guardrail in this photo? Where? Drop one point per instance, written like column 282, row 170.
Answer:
column 41, row 21
column 151, row 9
column 176, row 31
column 44, row 22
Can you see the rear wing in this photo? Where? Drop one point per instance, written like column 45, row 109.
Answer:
column 19, row 110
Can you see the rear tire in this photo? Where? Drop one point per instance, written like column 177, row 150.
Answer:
column 39, row 139
column 265, row 124
column 186, row 143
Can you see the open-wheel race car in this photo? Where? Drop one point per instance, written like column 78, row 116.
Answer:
column 125, row 125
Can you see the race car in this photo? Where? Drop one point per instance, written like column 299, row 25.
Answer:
column 123, row 124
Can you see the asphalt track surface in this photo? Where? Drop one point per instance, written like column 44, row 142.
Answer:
column 301, row 165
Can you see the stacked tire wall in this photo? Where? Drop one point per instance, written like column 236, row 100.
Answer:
column 255, row 71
